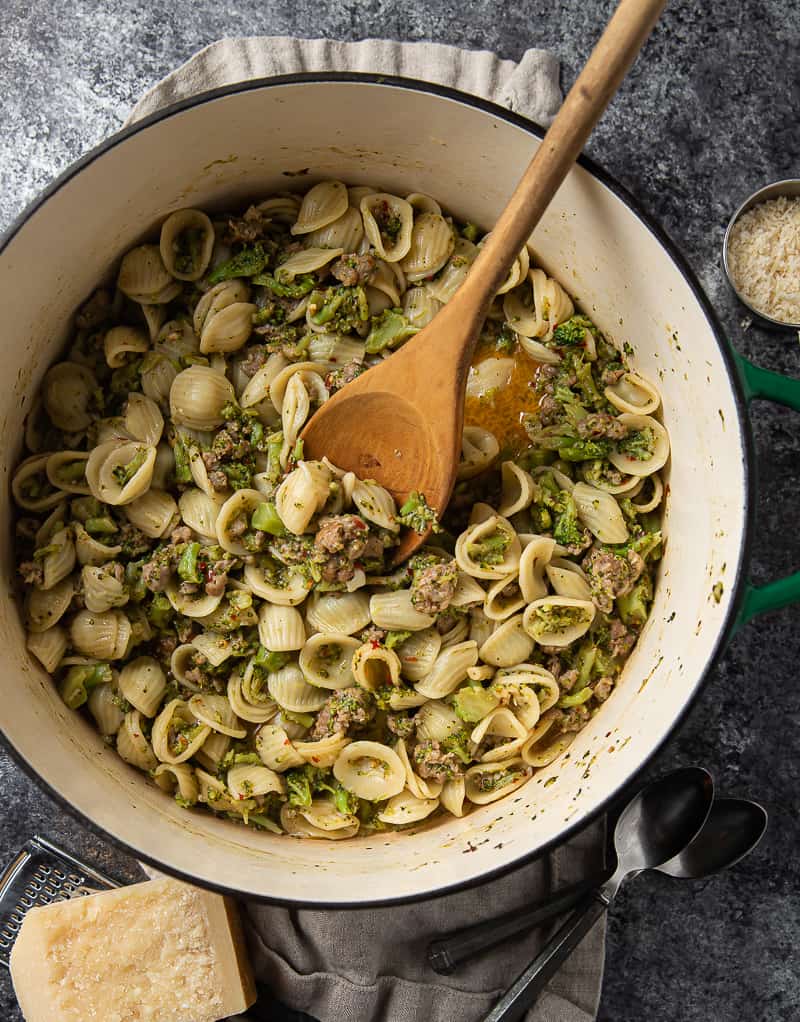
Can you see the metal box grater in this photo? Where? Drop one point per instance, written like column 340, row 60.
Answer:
column 40, row 874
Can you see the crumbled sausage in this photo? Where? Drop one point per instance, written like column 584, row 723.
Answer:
column 342, row 534
column 352, row 270
column 621, row 639
column 401, row 724
column 183, row 534
column 255, row 358
column 602, row 690
column 601, row 424
column 611, row 575
column 246, row 229
column 31, row 572
column 346, row 709
column 340, row 377
column 433, row 587
column 432, row 762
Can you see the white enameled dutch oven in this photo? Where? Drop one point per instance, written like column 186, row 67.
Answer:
column 225, row 147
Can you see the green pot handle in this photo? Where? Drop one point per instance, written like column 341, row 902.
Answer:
column 762, row 383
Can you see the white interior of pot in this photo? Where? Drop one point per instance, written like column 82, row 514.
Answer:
column 251, row 143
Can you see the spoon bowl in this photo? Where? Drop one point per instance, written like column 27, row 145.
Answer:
column 733, row 829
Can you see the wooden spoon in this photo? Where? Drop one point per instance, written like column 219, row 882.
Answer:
column 401, row 423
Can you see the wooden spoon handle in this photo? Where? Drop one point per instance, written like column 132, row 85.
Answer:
column 611, row 58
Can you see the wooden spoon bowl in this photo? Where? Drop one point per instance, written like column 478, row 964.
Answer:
column 401, row 422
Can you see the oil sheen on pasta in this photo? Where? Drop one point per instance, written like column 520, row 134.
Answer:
column 223, row 611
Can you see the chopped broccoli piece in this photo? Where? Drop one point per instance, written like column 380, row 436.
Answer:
column 302, row 285
column 470, row 232
column 160, row 612
column 266, row 519
column 634, row 607
column 416, row 514
column 269, row 660
column 342, row 309
column 472, row 703
column 388, row 330
column 572, row 331
column 247, row 263
column 183, row 473
column 575, row 698
column 396, row 638
column 458, row 743
column 124, row 473
column 567, row 529
column 187, row 563
column 79, row 681
column 638, row 444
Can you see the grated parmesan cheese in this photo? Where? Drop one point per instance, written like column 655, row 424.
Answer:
column 764, row 257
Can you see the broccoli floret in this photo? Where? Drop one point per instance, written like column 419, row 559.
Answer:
column 473, row 702
column 416, row 514
column 567, row 530
column 634, row 607
column 341, row 309
column 639, row 444
column 572, row 331
column 247, row 263
column 304, row 782
column 388, row 330
column 458, row 743
column 301, row 285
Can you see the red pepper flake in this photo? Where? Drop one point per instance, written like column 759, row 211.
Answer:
column 374, row 643
column 315, row 759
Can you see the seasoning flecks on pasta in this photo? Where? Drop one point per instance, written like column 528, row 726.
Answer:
column 225, row 610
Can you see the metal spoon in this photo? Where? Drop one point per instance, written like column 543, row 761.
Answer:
column 654, row 827
column 733, row 829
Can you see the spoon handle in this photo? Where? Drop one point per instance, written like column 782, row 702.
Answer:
column 610, row 60
column 449, row 951
column 530, row 983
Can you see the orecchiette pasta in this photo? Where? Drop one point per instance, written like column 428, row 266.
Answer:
column 229, row 613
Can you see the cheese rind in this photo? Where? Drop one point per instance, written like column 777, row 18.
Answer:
column 160, row 951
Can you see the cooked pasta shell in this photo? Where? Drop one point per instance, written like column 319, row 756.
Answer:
column 375, row 666
column 406, row 808
column 344, row 613
column 514, row 685
column 153, row 316
column 102, row 590
column 302, row 494
column 253, row 712
column 229, row 292
column 600, row 513
column 257, row 389
column 228, row 329
column 158, row 373
column 437, row 721
column 289, row 590
column 143, row 419
column 388, row 279
column 234, row 517
column 482, row 782
column 177, row 778
column 395, row 612
column 544, row 745
column 519, row 489
column 633, row 394
column 455, row 272
column 370, row 770
column 480, row 627
column 154, row 513
column 103, row 704
column 503, row 598
column 197, row 397
column 275, row 748
column 66, row 471
column 118, row 473
column 68, row 390
column 345, row 233
column 568, row 579
column 646, row 504
column 488, row 377
column 479, row 448
column 250, row 781
column 186, row 244
column 431, row 246
column 557, row 620
column 279, row 383
column 537, row 306
column 321, row 205
column 449, row 670
column 291, row 691
column 326, row 660
column 199, row 511
column 212, row 752
column 281, row 629
column 213, row 793
column 177, row 338
column 142, row 682
column 419, row 306
column 132, row 745
column 536, row 555
column 199, row 604
column 417, row 785
column 105, row 635
column 333, row 825
column 307, row 260
column 215, row 712
column 422, row 203
column 337, row 349
column 476, row 549
column 281, row 208
column 453, row 795
column 214, row 646
column 418, row 653
column 48, row 646
column 500, row 723
column 121, row 341
column 322, row 753
column 144, row 277
column 376, row 504
column 508, row 644
column 176, row 734
column 91, row 550
column 58, row 563
column 357, row 192
column 457, row 632
column 646, row 466
column 380, row 209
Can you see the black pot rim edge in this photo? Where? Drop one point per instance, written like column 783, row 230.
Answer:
column 745, row 434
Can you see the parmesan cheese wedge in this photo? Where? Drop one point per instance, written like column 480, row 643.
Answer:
column 160, row 951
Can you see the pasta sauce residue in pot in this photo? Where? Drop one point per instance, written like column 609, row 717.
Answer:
column 501, row 411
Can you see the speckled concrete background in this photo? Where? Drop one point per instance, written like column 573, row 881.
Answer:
column 707, row 117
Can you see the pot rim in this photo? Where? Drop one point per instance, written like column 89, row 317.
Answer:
column 727, row 626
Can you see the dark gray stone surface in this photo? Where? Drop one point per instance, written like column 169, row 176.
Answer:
column 707, row 117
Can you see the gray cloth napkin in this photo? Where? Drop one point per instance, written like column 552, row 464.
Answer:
column 369, row 966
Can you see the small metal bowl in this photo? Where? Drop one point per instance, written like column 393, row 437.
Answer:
column 790, row 187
